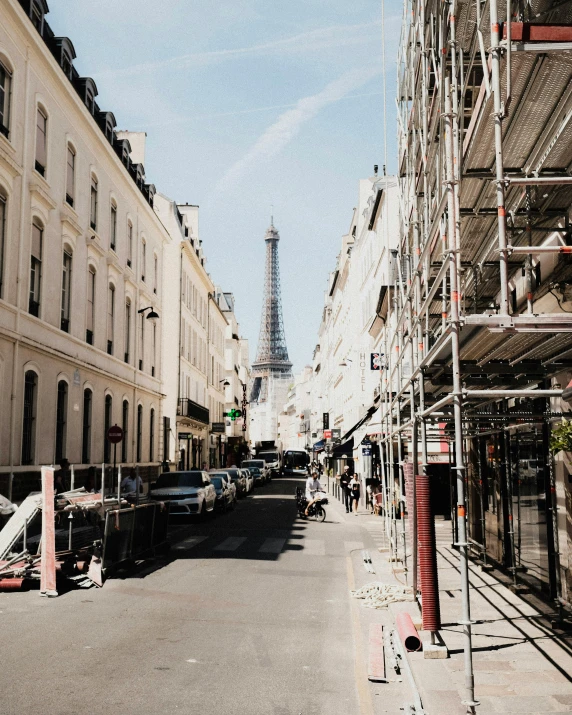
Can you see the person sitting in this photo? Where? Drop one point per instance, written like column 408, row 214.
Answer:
column 314, row 491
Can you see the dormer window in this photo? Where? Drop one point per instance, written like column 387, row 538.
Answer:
column 109, row 130
column 125, row 156
column 64, row 52
column 89, row 100
column 66, row 64
column 37, row 16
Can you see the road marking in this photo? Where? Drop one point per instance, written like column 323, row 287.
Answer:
column 360, row 670
column 230, row 544
column 353, row 545
column 313, row 547
column 190, row 542
column 272, row 546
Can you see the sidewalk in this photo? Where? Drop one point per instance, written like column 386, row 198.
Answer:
column 520, row 664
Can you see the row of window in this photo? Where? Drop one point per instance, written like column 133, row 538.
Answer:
column 40, row 164
column 91, row 301
column 30, row 419
column 194, row 301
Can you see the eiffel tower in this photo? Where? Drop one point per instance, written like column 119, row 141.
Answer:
column 272, row 370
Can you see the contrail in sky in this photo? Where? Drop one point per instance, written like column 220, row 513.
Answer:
column 288, row 124
column 335, row 36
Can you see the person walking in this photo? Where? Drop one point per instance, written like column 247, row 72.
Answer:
column 345, row 478
column 354, row 489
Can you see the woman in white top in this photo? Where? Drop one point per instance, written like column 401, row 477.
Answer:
column 354, row 489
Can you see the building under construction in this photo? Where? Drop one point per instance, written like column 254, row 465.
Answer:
column 479, row 319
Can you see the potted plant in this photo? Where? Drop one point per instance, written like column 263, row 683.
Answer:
column 561, row 437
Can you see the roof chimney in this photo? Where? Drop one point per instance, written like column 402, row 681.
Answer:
column 375, row 168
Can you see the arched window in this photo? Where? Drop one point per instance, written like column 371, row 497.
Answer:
column 29, row 421
column 107, row 422
column 93, row 203
column 90, row 305
column 110, row 318
column 86, row 427
column 139, row 431
column 143, row 258
column 61, row 420
column 125, row 428
column 66, row 290
column 70, row 175
column 3, row 203
column 113, row 226
column 36, row 269
column 141, row 340
column 127, row 329
column 5, row 97
column 151, row 435
column 129, row 243
column 41, row 141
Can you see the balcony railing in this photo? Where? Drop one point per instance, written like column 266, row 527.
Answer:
column 188, row 408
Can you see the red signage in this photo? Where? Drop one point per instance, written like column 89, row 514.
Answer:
column 115, row 434
column 327, row 434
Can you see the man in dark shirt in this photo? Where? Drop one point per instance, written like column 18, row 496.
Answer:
column 344, row 483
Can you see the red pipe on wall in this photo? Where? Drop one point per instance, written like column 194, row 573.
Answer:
column 408, row 632
column 427, row 553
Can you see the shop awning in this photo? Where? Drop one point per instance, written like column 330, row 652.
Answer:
column 344, row 450
column 364, row 420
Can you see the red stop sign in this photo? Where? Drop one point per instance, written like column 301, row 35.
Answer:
column 115, row 434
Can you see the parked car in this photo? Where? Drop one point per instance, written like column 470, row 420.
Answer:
column 230, row 485
column 186, row 492
column 237, row 479
column 225, row 498
column 258, row 469
column 249, row 480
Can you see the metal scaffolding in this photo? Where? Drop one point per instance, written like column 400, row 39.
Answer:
column 476, row 331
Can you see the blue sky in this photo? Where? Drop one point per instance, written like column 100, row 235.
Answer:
column 249, row 104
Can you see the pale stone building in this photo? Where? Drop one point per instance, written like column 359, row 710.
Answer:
column 81, row 252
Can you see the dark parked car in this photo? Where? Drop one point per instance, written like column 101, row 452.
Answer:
column 225, row 497
column 237, row 479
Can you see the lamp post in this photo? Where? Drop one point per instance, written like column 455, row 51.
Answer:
column 153, row 316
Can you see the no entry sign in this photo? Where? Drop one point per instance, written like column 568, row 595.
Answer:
column 115, row 434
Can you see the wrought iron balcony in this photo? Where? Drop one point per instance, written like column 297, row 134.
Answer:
column 188, row 408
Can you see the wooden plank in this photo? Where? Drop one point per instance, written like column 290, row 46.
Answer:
column 526, row 32
column 48, row 564
column 376, row 666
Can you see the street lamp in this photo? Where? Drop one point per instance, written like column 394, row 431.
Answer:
column 153, row 316
column 225, row 383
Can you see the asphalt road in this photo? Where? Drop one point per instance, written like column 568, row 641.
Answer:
column 249, row 614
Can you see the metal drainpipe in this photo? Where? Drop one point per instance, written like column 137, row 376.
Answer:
column 498, row 115
column 458, row 407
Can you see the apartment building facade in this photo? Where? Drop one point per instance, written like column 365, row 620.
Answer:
column 81, row 253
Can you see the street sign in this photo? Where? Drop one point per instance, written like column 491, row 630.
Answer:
column 115, row 434
column 375, row 361
column 217, row 427
column 366, row 451
column 327, row 434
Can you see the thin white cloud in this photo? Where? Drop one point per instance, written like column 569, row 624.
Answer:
column 335, row 36
column 288, row 124
column 238, row 112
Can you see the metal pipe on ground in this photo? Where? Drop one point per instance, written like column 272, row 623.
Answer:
column 407, row 632
column 11, row 584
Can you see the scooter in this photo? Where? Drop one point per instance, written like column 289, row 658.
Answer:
column 316, row 510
